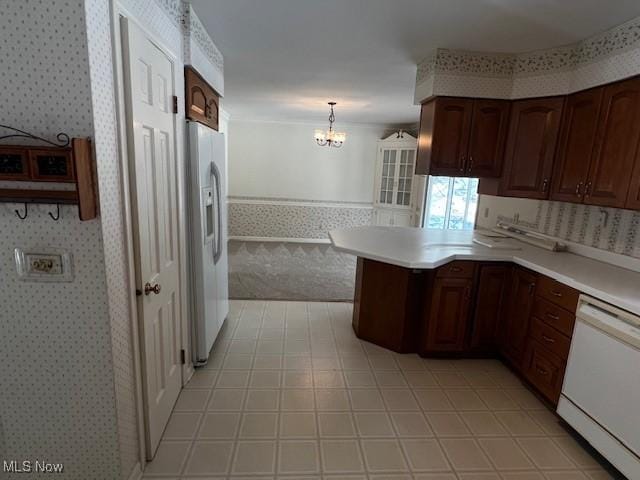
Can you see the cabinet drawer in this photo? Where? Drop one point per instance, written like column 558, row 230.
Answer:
column 544, row 370
column 557, row 317
column 457, row 269
column 558, row 293
column 551, row 338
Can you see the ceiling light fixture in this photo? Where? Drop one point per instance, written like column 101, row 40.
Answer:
column 330, row 138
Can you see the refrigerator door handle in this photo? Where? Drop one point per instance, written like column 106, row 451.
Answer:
column 217, row 248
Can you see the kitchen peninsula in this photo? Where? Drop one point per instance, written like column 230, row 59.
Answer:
column 441, row 294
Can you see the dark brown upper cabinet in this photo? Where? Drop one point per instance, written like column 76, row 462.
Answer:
column 488, row 135
column 531, row 145
column 444, row 138
column 616, row 145
column 462, row 137
column 575, row 148
column 202, row 101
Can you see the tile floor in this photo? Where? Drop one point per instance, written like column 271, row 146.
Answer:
column 290, row 392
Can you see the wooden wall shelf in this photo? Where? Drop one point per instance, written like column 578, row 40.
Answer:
column 39, row 164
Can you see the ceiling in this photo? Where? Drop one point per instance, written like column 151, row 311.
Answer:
column 284, row 59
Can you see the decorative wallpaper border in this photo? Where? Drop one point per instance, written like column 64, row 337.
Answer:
column 293, row 220
column 295, row 201
column 182, row 15
column 551, row 71
column 195, row 29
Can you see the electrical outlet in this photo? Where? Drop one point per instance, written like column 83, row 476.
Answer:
column 47, row 266
column 486, row 212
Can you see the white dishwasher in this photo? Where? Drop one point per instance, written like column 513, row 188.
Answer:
column 601, row 391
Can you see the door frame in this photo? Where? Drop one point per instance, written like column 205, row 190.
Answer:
column 120, row 11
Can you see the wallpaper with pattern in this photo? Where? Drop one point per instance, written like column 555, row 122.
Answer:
column 57, row 396
column 291, row 271
column 611, row 229
column 603, row 58
column 284, row 219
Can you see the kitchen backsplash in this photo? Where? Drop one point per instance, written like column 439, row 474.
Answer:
column 291, row 218
column 611, row 229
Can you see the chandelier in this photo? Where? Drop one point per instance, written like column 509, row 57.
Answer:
column 330, row 138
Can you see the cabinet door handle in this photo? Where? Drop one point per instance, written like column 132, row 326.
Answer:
column 552, row 316
column 470, row 162
column 467, row 293
column 545, row 185
column 578, row 188
column 532, row 287
column 541, row 371
column 548, row 339
column 587, row 189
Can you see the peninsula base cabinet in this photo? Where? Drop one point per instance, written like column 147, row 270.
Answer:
column 386, row 305
column 470, row 309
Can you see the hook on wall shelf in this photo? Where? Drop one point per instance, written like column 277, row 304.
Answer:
column 70, row 165
column 57, row 216
column 26, row 212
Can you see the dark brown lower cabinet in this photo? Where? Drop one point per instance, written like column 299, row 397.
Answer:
column 544, row 370
column 490, row 298
column 470, row 309
column 447, row 315
column 387, row 304
column 514, row 324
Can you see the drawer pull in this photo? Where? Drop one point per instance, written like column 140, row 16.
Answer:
column 556, row 293
column 548, row 339
column 455, row 269
column 552, row 316
column 541, row 371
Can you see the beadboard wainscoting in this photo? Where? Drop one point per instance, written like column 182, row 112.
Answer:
column 611, row 230
column 293, row 218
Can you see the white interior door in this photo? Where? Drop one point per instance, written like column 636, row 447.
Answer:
column 149, row 87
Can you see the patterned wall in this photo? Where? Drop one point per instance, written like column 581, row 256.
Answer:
column 293, row 218
column 57, row 397
column 610, row 229
column 113, row 229
column 603, row 58
column 70, row 370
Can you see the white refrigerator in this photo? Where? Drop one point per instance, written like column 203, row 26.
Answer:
column 207, row 241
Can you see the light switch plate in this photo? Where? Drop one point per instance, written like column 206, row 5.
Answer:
column 44, row 265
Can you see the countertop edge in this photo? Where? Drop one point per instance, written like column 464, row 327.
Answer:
column 498, row 256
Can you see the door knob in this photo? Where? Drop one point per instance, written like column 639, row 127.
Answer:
column 148, row 289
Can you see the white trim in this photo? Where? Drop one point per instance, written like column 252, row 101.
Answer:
column 136, row 473
column 297, row 203
column 116, row 44
column 318, row 241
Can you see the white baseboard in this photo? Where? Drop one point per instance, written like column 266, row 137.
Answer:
column 317, row 241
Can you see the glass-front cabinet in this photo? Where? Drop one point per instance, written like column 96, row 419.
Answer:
column 396, row 185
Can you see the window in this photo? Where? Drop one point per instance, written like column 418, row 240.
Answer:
column 451, row 203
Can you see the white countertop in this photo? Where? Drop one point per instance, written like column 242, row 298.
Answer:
column 427, row 249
